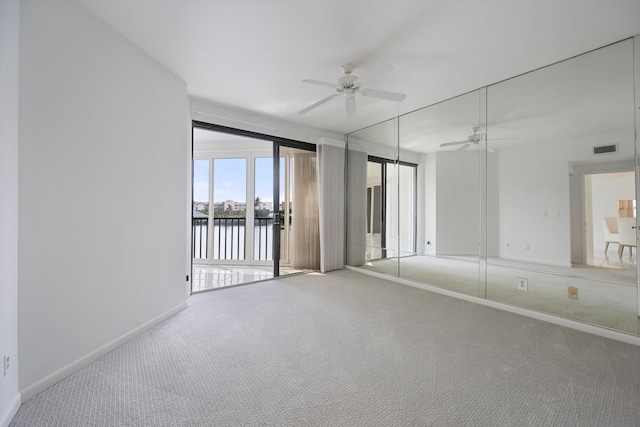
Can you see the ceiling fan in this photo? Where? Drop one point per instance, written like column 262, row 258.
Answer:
column 349, row 85
column 476, row 140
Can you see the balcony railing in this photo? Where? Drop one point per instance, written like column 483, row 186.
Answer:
column 229, row 238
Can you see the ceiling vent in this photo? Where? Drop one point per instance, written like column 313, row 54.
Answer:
column 604, row 149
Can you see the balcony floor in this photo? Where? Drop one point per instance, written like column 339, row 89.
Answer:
column 208, row 276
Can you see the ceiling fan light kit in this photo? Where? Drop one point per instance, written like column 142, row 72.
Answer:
column 350, row 85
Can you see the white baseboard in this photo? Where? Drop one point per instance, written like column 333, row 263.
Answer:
column 39, row 386
column 11, row 412
column 573, row 324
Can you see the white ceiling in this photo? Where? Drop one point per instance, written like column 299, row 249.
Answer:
column 253, row 54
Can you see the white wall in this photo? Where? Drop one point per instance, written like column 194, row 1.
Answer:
column 452, row 210
column 223, row 115
column 9, row 106
column 429, row 165
column 104, row 154
column 457, row 203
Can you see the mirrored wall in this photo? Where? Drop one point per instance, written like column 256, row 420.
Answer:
column 523, row 192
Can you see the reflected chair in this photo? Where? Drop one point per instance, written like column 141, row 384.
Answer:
column 627, row 235
column 610, row 229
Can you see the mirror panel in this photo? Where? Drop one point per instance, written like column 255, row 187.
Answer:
column 554, row 194
column 372, row 208
column 446, row 138
column 524, row 192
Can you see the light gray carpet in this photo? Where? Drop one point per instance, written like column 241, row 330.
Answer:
column 347, row 349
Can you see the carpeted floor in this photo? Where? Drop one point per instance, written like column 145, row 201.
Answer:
column 348, row 349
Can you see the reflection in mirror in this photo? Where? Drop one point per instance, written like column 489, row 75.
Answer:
column 559, row 237
column 448, row 138
column 376, row 227
column 432, row 204
column 372, row 194
column 525, row 192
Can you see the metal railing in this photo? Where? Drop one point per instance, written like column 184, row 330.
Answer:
column 200, row 237
column 229, row 238
column 263, row 239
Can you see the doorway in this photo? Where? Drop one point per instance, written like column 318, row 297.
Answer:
column 597, row 192
column 243, row 183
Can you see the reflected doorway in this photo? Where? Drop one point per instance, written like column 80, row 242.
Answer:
column 609, row 205
column 391, row 209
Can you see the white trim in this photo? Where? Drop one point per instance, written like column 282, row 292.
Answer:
column 225, row 115
column 573, row 324
column 12, row 410
column 330, row 141
column 39, row 386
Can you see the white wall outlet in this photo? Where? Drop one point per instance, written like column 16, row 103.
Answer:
column 523, row 284
column 6, row 361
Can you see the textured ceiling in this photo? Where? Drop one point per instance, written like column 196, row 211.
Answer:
column 253, row 54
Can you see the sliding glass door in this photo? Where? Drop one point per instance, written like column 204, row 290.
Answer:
column 254, row 203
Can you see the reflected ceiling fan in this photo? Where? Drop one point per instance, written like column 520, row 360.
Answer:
column 476, row 140
column 350, row 85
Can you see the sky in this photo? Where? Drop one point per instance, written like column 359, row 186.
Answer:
column 230, row 180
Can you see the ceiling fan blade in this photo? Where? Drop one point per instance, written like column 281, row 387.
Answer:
column 350, row 105
column 448, row 144
column 463, row 147
column 383, row 94
column 317, row 104
column 318, row 82
column 375, row 72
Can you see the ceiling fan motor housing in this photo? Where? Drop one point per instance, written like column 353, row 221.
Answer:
column 348, row 82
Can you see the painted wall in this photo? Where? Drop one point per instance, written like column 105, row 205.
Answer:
column 428, row 165
column 457, row 203
column 103, row 169
column 223, row 115
column 9, row 133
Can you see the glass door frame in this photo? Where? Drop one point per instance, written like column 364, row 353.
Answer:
column 277, row 143
column 384, row 163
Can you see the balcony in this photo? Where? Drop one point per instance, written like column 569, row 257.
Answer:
column 229, row 238
column 220, row 258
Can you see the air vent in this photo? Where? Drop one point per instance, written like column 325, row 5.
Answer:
column 603, row 149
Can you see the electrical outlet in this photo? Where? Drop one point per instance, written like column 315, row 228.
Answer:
column 572, row 292
column 523, row 284
column 6, row 364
